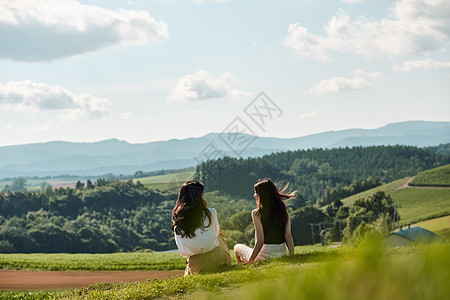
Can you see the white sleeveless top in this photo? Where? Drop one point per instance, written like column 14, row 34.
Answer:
column 204, row 240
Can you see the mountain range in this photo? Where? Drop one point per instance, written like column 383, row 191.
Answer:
column 120, row 157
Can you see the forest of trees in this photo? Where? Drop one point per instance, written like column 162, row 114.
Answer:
column 105, row 217
column 320, row 175
column 111, row 216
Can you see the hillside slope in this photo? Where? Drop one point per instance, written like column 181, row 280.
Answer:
column 418, row 203
column 434, row 177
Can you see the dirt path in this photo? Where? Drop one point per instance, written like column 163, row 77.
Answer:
column 37, row 280
column 407, row 186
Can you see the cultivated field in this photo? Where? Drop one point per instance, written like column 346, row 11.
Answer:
column 435, row 177
column 416, row 203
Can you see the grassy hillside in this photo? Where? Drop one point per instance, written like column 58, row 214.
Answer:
column 434, row 177
column 440, row 226
column 387, row 188
column 415, row 204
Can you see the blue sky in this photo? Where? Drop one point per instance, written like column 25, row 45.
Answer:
column 142, row 71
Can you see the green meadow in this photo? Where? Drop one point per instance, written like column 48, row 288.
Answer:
column 367, row 271
column 167, row 182
column 110, row 261
column 416, row 204
column 93, row 262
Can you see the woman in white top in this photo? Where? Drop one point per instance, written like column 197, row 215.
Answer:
column 197, row 233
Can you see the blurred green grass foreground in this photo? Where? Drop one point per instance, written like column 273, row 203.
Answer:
column 366, row 271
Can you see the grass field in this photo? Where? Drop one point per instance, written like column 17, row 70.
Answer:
column 35, row 184
column 434, row 177
column 160, row 182
column 366, row 272
column 94, row 262
column 109, row 261
column 416, row 204
column 167, row 182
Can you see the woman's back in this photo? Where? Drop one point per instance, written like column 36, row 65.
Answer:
column 204, row 240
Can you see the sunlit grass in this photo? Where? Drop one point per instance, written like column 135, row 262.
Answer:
column 368, row 271
column 418, row 204
column 94, row 262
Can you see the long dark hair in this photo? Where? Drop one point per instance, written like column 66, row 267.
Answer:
column 270, row 204
column 190, row 210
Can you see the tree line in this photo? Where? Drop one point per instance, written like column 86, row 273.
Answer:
column 320, row 175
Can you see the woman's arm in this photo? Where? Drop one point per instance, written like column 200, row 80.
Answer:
column 259, row 235
column 288, row 237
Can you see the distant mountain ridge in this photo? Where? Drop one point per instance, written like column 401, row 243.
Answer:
column 115, row 156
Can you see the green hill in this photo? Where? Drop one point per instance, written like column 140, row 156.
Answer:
column 415, row 204
column 167, row 182
column 434, row 177
column 387, row 188
column 420, row 204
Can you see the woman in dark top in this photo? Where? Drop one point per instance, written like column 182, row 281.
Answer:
column 272, row 225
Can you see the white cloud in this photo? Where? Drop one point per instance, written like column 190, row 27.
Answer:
column 126, row 115
column 425, row 64
column 413, row 27
column 308, row 115
column 204, row 86
column 40, row 128
column 5, row 127
column 359, row 81
column 50, row 29
column 27, row 95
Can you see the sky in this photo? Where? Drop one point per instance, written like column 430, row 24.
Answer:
column 152, row 70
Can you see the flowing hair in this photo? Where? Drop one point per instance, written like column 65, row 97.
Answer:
column 270, row 204
column 190, row 211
